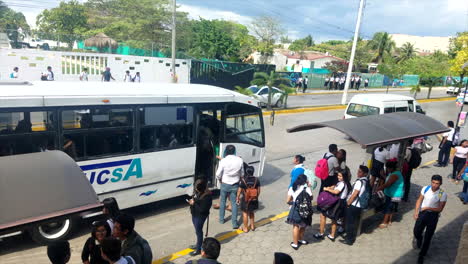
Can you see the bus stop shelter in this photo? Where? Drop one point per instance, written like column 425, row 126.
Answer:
column 380, row 130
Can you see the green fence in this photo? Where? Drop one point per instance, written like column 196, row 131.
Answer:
column 123, row 50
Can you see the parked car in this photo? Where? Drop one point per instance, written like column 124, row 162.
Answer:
column 454, row 90
column 261, row 94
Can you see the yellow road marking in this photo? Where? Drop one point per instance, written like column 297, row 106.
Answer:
column 427, row 164
column 361, row 91
column 228, row 235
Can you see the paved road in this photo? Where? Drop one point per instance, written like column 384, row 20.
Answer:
column 330, row 99
column 167, row 225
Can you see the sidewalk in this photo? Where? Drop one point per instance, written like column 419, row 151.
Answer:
column 391, row 245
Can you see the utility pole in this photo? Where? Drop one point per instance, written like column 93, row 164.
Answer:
column 173, row 52
column 353, row 52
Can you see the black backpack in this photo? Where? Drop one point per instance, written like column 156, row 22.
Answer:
column 415, row 159
column 304, row 204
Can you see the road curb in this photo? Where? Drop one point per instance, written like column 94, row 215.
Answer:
column 341, row 92
column 220, row 238
column 336, row 107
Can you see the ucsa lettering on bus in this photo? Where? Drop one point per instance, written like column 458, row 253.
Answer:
column 115, row 171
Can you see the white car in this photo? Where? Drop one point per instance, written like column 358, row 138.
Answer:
column 461, row 95
column 454, row 90
column 261, row 94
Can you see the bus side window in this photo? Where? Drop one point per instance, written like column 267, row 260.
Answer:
column 165, row 127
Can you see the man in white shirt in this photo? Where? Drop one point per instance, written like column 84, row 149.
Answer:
column 84, row 75
column 445, row 146
column 230, row 170
column 337, row 80
column 353, row 211
column 430, row 204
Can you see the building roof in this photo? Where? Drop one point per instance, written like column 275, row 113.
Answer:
column 310, row 56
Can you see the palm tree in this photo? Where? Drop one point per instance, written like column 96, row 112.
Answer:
column 383, row 44
column 407, row 51
column 272, row 80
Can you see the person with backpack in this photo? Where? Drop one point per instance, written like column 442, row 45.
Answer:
column 14, row 73
column 412, row 161
column 211, row 248
column 327, row 167
column 110, row 252
column 445, row 146
column 133, row 244
column 356, row 201
column 91, row 253
column 247, row 198
column 393, row 190
column 430, row 204
column 300, row 213
column 335, row 212
column 298, row 169
column 459, row 159
column 200, row 205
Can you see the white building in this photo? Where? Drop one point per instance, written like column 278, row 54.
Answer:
column 423, row 44
column 285, row 59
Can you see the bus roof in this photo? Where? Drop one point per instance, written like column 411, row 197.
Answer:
column 359, row 98
column 39, row 94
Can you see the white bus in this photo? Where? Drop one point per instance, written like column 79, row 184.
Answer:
column 136, row 142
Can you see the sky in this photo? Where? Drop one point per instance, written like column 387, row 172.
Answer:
column 323, row 19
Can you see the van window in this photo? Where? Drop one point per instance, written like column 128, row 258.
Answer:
column 389, row 109
column 362, row 110
column 411, row 106
column 401, row 109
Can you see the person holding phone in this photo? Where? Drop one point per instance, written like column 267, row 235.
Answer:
column 200, row 205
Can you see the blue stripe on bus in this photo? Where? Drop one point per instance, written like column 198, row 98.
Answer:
column 106, row 165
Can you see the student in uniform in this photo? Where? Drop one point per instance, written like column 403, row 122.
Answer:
column 298, row 168
column 445, row 146
column 430, row 204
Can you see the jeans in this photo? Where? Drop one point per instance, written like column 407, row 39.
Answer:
column 352, row 215
column 444, row 153
column 458, row 164
column 198, row 222
column 407, row 184
column 464, row 194
column 232, row 191
column 426, row 220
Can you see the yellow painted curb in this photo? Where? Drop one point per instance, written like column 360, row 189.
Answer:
column 427, row 164
column 336, row 107
column 228, row 235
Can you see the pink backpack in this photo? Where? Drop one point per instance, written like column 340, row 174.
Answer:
column 321, row 168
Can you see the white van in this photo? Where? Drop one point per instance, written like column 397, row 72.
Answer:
column 377, row 104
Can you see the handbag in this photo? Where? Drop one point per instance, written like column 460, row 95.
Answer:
column 326, row 200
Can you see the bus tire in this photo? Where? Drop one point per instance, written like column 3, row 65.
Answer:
column 53, row 231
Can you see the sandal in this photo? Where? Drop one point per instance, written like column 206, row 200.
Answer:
column 245, row 230
column 381, row 226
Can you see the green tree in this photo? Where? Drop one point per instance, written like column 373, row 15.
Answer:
column 431, row 69
column 459, row 55
column 11, row 22
column 407, row 51
column 272, row 80
column 267, row 30
column 391, row 68
column 285, row 40
column 68, row 21
column 336, row 66
column 382, row 44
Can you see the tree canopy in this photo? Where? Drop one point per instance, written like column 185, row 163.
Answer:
column 459, row 54
column 10, row 23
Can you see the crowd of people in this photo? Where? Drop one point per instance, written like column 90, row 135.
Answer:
column 382, row 187
column 337, row 82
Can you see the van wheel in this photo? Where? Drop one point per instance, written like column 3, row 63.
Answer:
column 53, row 231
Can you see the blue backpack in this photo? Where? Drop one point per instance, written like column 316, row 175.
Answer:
column 365, row 197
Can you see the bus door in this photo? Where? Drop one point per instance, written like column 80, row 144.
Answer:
column 208, row 140
column 243, row 128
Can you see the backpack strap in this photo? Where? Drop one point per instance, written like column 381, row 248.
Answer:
column 129, row 260
column 427, row 189
column 359, row 194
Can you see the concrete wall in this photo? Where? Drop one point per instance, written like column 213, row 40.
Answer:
column 277, row 59
column 422, row 43
column 68, row 65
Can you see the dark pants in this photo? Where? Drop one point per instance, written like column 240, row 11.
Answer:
column 444, row 153
column 458, row 164
column 407, row 185
column 426, row 220
column 304, row 88
column 358, row 85
column 198, row 222
column 352, row 215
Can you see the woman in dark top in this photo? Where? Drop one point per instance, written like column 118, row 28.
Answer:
column 200, row 205
column 110, row 211
column 91, row 253
column 248, row 207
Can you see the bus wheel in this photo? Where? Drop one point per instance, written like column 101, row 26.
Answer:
column 52, row 231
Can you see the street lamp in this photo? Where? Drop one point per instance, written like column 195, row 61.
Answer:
column 464, row 96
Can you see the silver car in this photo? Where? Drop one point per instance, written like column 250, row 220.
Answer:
column 261, row 94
